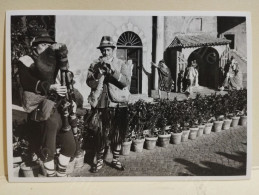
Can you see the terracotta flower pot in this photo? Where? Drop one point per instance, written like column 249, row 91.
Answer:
column 193, row 133
column 176, row 138
column 150, row 142
column 16, row 170
column 163, row 140
column 138, row 145
column 201, row 130
column 226, row 124
column 185, row 135
column 235, row 121
column 79, row 160
column 70, row 167
column 17, row 159
column 125, row 148
column 30, row 170
column 208, row 127
column 217, row 127
column 243, row 120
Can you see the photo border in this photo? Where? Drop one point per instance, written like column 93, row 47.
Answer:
column 11, row 178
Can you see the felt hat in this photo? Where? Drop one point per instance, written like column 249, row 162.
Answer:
column 43, row 38
column 162, row 61
column 106, row 41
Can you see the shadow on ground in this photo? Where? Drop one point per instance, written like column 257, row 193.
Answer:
column 207, row 168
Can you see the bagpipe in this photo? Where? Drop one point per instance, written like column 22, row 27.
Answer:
column 70, row 120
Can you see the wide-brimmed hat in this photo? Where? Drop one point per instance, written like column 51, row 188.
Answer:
column 107, row 41
column 43, row 38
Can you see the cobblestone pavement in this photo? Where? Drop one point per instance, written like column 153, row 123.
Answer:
column 216, row 154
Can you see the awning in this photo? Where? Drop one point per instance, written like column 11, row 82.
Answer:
column 197, row 40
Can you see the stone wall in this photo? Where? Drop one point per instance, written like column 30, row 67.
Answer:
column 240, row 38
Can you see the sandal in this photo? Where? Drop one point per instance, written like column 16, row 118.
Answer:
column 98, row 166
column 117, row 165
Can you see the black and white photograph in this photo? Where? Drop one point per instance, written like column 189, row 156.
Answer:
column 128, row 96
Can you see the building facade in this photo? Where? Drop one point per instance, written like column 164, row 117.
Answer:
column 145, row 39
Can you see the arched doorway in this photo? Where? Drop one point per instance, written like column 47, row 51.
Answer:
column 207, row 59
column 129, row 48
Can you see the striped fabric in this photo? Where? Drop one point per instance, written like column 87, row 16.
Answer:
column 50, row 172
column 61, row 170
column 116, row 154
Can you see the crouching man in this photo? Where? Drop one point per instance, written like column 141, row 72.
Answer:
column 41, row 97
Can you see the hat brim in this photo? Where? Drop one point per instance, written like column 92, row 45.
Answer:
column 103, row 46
column 43, row 40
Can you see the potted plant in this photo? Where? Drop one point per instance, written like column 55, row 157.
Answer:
column 176, row 134
column 242, row 106
column 16, row 170
column 182, row 110
column 80, row 154
column 151, row 139
column 234, row 107
column 162, row 122
column 193, row 131
column 226, row 106
column 217, row 124
column 137, row 115
column 201, row 111
column 185, row 133
column 207, row 103
column 21, row 151
column 243, row 118
column 174, row 119
column 201, row 126
column 192, row 119
column 218, row 112
column 151, row 121
column 126, row 145
column 30, row 169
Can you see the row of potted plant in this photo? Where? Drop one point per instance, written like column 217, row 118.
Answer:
column 177, row 121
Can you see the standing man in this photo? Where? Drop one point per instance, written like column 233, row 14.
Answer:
column 234, row 77
column 106, row 77
column 41, row 94
column 165, row 82
column 190, row 75
column 196, row 77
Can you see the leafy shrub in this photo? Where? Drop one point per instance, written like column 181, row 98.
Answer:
column 186, row 113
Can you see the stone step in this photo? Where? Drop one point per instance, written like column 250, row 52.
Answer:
column 135, row 97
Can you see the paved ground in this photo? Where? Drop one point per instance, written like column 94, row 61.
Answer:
column 216, row 154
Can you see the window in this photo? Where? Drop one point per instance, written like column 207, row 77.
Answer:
column 196, row 25
column 129, row 39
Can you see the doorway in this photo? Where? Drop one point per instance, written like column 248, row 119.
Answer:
column 135, row 55
column 231, row 37
column 207, row 59
column 129, row 48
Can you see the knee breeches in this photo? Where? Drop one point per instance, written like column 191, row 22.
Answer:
column 46, row 135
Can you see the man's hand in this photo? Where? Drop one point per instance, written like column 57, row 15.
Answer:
column 74, row 106
column 106, row 69
column 60, row 90
column 57, row 46
column 154, row 65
